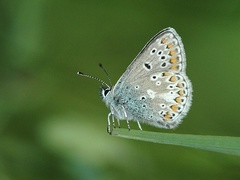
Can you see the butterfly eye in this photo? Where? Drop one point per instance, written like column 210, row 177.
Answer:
column 104, row 92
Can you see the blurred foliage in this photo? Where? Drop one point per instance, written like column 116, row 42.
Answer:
column 53, row 123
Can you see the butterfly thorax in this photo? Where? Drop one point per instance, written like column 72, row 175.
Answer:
column 116, row 102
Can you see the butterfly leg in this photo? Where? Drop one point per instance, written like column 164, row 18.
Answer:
column 118, row 123
column 109, row 124
column 125, row 114
column 113, row 122
column 139, row 125
column 128, row 125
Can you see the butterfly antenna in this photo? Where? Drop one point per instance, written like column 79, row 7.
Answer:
column 101, row 66
column 92, row 77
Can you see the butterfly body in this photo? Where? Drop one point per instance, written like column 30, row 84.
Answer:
column 155, row 88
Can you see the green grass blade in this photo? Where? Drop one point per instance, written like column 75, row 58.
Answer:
column 223, row 144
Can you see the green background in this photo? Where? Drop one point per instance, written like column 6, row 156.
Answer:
column 53, row 123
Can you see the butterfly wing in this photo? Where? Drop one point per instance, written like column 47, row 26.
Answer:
column 165, row 50
column 158, row 77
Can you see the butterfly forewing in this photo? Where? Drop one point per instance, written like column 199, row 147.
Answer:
column 164, row 52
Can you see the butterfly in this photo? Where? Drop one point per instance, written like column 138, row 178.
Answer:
column 154, row 89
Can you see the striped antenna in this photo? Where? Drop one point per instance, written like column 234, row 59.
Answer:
column 92, row 77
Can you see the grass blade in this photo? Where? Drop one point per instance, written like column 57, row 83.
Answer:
column 223, row 144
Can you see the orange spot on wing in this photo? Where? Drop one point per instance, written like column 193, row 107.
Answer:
column 178, row 99
column 172, row 52
column 174, row 68
column 164, row 40
column 173, row 60
column 173, row 79
column 174, row 108
column 180, row 92
column 167, row 116
column 166, row 74
column 169, row 45
column 179, row 85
